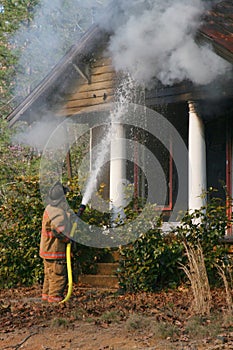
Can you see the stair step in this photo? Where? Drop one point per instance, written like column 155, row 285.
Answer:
column 99, row 281
column 107, row 268
column 104, row 278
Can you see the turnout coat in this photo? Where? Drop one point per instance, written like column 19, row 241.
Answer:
column 56, row 227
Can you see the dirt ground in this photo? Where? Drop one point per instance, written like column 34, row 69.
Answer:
column 98, row 320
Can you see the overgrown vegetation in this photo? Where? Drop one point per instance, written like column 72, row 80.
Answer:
column 226, row 274
column 21, row 213
column 197, row 275
column 19, row 236
column 151, row 262
column 154, row 260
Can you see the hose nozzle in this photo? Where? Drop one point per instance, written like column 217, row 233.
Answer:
column 81, row 210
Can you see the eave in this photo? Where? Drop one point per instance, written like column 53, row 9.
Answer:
column 217, row 29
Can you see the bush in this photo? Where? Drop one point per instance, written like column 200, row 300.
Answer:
column 21, row 214
column 153, row 261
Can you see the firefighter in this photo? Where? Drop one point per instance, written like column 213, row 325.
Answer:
column 56, row 227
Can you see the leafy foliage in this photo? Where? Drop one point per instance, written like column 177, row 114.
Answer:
column 153, row 260
column 13, row 14
column 150, row 263
column 20, row 233
column 21, row 211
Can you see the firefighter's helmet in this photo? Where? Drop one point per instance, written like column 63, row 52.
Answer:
column 57, row 193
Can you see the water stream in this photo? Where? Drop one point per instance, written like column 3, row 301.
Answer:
column 123, row 97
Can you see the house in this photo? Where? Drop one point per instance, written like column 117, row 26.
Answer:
column 84, row 83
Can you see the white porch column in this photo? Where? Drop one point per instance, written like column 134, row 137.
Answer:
column 197, row 159
column 117, row 172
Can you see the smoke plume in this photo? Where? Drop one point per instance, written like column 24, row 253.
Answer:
column 155, row 39
column 150, row 39
column 38, row 134
column 56, row 25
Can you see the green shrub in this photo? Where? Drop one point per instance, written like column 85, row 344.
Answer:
column 150, row 262
column 153, row 260
column 21, row 214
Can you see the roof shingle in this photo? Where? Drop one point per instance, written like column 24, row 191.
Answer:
column 217, row 29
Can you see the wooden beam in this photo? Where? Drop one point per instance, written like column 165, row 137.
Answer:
column 81, row 72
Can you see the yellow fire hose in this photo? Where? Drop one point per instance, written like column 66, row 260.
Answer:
column 69, row 267
column 68, row 256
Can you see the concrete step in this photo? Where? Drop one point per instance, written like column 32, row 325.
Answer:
column 104, row 278
column 99, row 281
column 107, row 268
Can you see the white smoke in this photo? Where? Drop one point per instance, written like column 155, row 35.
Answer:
column 38, row 134
column 55, row 27
column 150, row 39
column 156, row 40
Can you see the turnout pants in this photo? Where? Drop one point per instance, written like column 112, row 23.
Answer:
column 55, row 280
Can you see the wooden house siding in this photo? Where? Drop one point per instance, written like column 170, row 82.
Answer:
column 88, row 95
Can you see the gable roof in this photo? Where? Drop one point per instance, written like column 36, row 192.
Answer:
column 217, row 29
